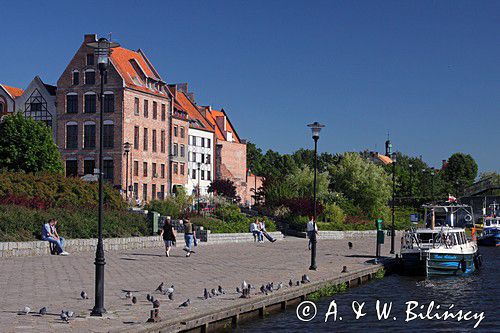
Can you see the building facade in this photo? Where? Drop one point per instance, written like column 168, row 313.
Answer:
column 136, row 110
column 8, row 97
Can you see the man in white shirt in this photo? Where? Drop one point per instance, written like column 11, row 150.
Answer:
column 254, row 230
column 311, row 229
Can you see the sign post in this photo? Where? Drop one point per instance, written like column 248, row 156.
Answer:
column 380, row 235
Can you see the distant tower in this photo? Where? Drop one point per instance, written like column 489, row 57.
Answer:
column 388, row 146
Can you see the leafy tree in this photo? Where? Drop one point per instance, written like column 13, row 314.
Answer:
column 460, row 172
column 254, row 158
column 361, row 181
column 225, row 188
column 27, row 145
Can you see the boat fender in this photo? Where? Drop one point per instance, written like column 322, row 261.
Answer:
column 468, row 218
column 463, row 265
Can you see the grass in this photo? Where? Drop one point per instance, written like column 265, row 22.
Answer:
column 380, row 274
column 327, row 291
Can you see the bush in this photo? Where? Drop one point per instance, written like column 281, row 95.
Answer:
column 20, row 223
column 167, row 207
column 229, row 212
column 333, row 213
column 218, row 226
column 297, row 222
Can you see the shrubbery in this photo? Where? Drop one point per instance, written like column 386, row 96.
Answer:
column 217, row 226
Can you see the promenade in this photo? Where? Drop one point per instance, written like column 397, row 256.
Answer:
column 56, row 281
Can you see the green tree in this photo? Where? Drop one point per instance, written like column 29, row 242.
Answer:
column 27, row 145
column 460, row 172
column 367, row 185
column 254, row 158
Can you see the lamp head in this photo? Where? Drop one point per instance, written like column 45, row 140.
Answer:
column 315, row 128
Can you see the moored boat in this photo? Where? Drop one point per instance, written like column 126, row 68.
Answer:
column 490, row 236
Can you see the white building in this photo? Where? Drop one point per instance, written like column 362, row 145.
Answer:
column 200, row 160
column 8, row 97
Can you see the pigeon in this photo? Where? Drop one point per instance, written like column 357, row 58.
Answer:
column 350, row 245
column 84, row 295
column 290, row 283
column 344, row 269
column 206, row 295
column 43, row 311
column 148, row 297
column 280, row 285
column 69, row 314
column 171, row 296
column 156, row 304
column 221, row 290
column 152, row 299
column 238, row 290
column 298, row 283
column 244, row 285
column 185, row 304
column 170, row 290
column 305, row 279
column 214, row 293
column 263, row 289
column 134, row 300
column 128, row 294
column 26, row 310
column 64, row 316
column 160, row 287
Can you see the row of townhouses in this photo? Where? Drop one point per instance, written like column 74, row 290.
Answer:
column 174, row 142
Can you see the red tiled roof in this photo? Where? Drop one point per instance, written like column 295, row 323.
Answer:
column 212, row 115
column 14, row 92
column 384, row 159
column 123, row 60
column 211, row 119
column 183, row 103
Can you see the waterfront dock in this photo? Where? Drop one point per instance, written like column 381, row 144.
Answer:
column 56, row 282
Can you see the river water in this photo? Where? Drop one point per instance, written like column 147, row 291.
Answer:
column 477, row 293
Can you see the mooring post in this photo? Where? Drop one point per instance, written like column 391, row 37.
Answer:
column 234, row 320
column 283, row 305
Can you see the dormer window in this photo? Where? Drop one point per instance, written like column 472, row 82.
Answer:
column 90, row 59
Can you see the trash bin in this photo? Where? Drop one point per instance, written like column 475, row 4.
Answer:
column 153, row 219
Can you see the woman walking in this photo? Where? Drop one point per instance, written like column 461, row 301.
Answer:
column 168, row 234
column 189, row 237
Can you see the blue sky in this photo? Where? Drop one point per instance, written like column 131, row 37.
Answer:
column 427, row 71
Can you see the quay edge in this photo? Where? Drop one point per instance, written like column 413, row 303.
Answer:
column 260, row 305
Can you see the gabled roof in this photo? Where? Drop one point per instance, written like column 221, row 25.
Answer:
column 12, row 91
column 132, row 66
column 384, row 159
column 212, row 115
column 196, row 118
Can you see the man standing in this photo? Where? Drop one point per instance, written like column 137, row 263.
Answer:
column 311, row 230
column 49, row 234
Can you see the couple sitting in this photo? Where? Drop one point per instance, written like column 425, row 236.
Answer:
column 49, row 234
column 258, row 229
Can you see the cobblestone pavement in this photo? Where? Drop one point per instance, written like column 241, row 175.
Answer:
column 56, row 281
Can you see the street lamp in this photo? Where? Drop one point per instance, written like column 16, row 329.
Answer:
column 102, row 49
column 411, row 179
column 198, row 192
column 315, row 128
column 432, row 183
column 126, row 149
column 394, row 160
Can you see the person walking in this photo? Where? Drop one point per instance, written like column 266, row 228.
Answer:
column 49, row 234
column 189, row 236
column 311, row 230
column 168, row 235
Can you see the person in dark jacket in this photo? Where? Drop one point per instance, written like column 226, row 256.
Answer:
column 168, row 234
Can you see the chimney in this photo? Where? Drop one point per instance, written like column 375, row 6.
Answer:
column 89, row 38
column 443, row 164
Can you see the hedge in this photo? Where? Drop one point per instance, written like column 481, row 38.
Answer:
column 218, row 226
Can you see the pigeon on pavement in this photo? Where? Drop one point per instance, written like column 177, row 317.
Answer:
column 280, row 285
column 185, row 304
column 350, row 245
column 148, row 297
column 134, row 300
column 160, row 287
column 170, row 290
column 26, row 310
column 344, row 269
column 128, row 294
column 238, row 290
column 171, row 296
column 206, row 295
column 156, row 304
column 221, row 290
column 214, row 293
column 43, row 311
column 84, row 295
column 64, row 316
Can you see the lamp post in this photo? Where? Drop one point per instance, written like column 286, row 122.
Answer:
column 102, row 49
column 198, row 192
column 394, row 160
column 432, row 183
column 315, row 128
column 411, row 179
column 126, row 149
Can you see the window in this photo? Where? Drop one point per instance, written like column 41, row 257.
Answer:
column 208, row 143
column 155, row 110
column 162, row 192
column 202, row 173
column 208, row 174
column 76, row 78
column 136, row 137
column 136, row 106
column 71, row 136
column 175, row 149
column 153, row 171
column 144, row 169
column 136, row 190
column 2, row 107
column 182, row 132
column 154, row 140
column 175, row 131
column 203, row 142
column 145, row 192
column 35, row 106
column 193, row 174
column 146, row 108
column 71, row 168
column 176, row 168
column 89, row 136
column 90, row 101
column 182, row 168
column 136, row 168
column 109, row 135
column 145, row 139
column 88, row 167
column 182, row 151
column 90, row 59
column 163, row 112
column 89, row 77
column 109, row 102
column 72, row 103
column 162, row 170
column 153, row 191
column 107, row 169
column 202, row 158
column 190, row 140
column 208, row 161
column 162, row 141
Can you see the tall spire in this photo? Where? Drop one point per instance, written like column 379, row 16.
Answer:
column 388, row 146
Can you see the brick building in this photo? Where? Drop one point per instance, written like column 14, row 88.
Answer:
column 136, row 110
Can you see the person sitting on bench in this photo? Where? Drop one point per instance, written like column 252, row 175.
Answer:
column 49, row 234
